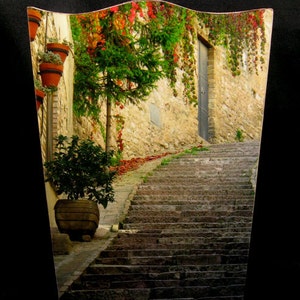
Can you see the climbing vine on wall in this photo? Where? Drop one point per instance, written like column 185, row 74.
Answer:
column 155, row 25
column 241, row 34
column 122, row 52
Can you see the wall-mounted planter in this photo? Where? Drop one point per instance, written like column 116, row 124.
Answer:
column 50, row 74
column 34, row 20
column 58, row 48
column 39, row 97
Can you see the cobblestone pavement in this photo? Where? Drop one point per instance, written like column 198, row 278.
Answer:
column 70, row 266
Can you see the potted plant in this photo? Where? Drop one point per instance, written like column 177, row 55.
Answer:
column 34, row 21
column 80, row 172
column 50, row 68
column 62, row 48
column 40, row 92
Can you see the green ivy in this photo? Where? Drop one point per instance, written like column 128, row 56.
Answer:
column 238, row 33
column 142, row 42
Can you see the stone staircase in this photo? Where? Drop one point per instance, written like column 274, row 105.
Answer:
column 186, row 234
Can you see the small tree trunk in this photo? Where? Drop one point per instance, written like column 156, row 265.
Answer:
column 108, row 125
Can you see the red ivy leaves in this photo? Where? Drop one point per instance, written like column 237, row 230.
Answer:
column 134, row 163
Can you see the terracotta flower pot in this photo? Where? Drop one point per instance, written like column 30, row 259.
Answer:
column 39, row 97
column 34, row 20
column 61, row 49
column 50, row 74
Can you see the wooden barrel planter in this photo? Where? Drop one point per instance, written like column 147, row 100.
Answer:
column 77, row 218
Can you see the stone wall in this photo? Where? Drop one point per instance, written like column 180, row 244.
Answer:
column 60, row 102
column 237, row 103
column 166, row 123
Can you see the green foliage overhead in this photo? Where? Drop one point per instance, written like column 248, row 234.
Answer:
column 122, row 52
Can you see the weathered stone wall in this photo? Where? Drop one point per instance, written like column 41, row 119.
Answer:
column 167, row 123
column 237, row 103
column 60, row 102
column 164, row 122
column 55, row 26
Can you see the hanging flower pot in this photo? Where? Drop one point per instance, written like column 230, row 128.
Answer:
column 50, row 68
column 50, row 74
column 34, row 20
column 39, row 97
column 58, row 48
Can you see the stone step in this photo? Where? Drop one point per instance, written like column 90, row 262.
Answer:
column 193, row 199
column 196, row 179
column 172, row 292
column 229, row 156
column 138, row 280
column 192, row 243
column 202, row 231
column 215, row 151
column 207, row 233
column 196, row 191
column 194, row 188
column 222, row 152
column 236, row 147
column 182, row 211
column 183, row 225
column 154, row 240
column 207, row 158
column 214, row 169
column 190, row 229
column 113, row 253
column 200, row 175
column 197, row 207
column 216, row 269
column 210, row 258
column 176, row 217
